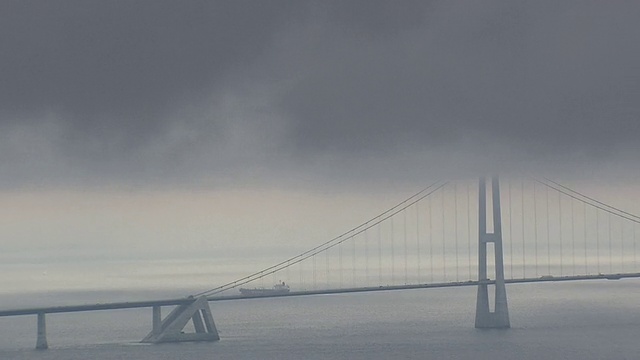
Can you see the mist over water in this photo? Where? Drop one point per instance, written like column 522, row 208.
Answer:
column 433, row 239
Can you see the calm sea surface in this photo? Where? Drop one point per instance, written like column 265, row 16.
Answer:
column 579, row 320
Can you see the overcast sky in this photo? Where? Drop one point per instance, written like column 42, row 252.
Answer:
column 218, row 92
column 298, row 97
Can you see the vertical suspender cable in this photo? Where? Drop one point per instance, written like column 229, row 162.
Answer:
column 455, row 228
column 573, row 239
column 301, row 274
column 622, row 244
column 610, row 254
column 444, row 253
column 560, row 230
column 379, row 254
column 598, row 240
column 418, row 238
column 510, row 232
column 635, row 257
column 404, row 218
column 393, row 254
column 366, row 257
column 430, row 238
column 546, row 197
column 586, row 268
column 535, row 228
column 353, row 261
column 524, row 257
column 326, row 259
column 469, row 228
column 340, row 263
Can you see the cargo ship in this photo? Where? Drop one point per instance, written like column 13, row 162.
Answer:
column 277, row 289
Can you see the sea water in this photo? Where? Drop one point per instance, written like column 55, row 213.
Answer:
column 574, row 320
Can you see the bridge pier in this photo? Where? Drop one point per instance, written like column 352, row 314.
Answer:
column 485, row 318
column 156, row 319
column 41, row 342
column 171, row 328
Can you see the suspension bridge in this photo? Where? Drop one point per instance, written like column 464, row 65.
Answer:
column 449, row 234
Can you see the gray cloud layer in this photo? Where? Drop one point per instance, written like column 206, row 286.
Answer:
column 121, row 92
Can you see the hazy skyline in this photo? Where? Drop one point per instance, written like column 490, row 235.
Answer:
column 127, row 126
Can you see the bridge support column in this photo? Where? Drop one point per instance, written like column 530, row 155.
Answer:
column 171, row 328
column 156, row 319
column 485, row 318
column 41, row 342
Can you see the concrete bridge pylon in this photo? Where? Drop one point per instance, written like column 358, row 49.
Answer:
column 485, row 318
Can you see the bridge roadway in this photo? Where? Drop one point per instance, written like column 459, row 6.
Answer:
column 187, row 300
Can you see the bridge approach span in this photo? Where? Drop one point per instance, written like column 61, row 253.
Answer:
column 189, row 300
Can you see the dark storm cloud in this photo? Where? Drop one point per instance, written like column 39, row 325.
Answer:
column 544, row 77
column 129, row 91
column 123, row 64
column 98, row 88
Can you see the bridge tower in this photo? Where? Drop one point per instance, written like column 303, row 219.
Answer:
column 485, row 318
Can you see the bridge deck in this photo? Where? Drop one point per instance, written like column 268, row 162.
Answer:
column 186, row 300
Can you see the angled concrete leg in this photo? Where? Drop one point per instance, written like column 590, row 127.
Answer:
column 198, row 324
column 41, row 342
column 171, row 328
column 208, row 321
